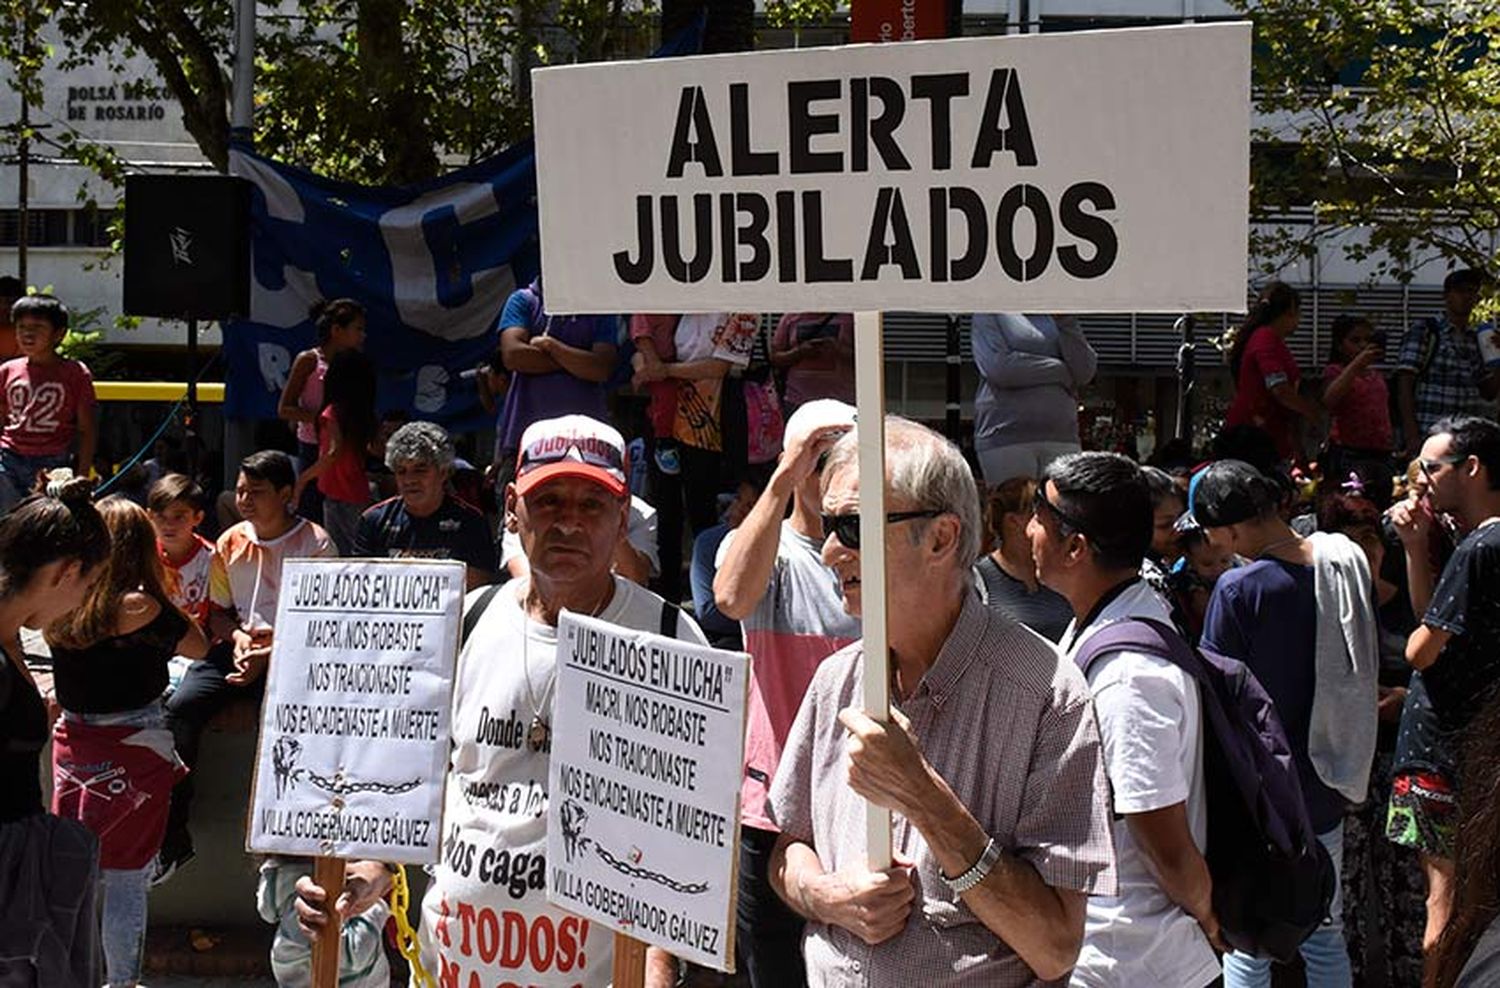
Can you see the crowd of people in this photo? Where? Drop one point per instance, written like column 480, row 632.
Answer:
column 1156, row 724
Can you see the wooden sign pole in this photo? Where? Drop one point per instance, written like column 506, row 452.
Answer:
column 869, row 386
column 328, row 874
column 630, row 963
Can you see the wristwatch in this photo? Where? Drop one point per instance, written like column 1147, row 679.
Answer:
column 976, row 871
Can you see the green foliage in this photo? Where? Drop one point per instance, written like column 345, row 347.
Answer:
column 797, row 14
column 1384, row 117
column 367, row 90
column 85, row 342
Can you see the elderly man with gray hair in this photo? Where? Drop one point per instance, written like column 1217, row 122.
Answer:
column 424, row 520
column 990, row 761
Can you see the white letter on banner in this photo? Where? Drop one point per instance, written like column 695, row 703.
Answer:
column 414, row 268
column 275, row 364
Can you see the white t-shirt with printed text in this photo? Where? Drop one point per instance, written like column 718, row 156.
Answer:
column 486, row 914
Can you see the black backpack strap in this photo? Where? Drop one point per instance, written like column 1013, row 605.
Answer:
column 668, row 625
column 476, row 611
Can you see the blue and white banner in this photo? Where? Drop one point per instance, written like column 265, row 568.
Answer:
column 432, row 264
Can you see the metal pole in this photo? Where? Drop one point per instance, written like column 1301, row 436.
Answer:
column 190, row 421
column 242, row 110
column 952, row 424
column 953, row 421
column 23, row 165
column 1187, row 368
column 239, row 434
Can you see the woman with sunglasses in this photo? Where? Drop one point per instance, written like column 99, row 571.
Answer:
column 51, row 550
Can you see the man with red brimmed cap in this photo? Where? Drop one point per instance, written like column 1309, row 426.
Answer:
column 486, row 912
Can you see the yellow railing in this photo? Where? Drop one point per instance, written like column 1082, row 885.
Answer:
column 209, row 392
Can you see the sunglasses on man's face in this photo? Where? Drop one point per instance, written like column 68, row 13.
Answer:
column 1430, row 467
column 846, row 527
column 1040, row 503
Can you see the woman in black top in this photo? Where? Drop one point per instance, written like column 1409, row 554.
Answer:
column 1007, row 576
column 112, row 755
column 51, row 548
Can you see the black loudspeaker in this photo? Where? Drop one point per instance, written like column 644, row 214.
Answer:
column 187, row 246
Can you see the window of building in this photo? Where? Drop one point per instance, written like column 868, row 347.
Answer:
column 86, row 227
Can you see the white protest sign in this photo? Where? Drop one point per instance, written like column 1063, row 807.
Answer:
column 355, row 730
column 1089, row 171
column 643, row 824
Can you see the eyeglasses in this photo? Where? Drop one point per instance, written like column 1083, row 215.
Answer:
column 1039, row 502
column 846, row 527
column 1429, row 467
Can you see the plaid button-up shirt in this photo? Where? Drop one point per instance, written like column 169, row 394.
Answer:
column 1450, row 383
column 1010, row 727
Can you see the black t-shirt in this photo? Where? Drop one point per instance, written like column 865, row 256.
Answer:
column 122, row 673
column 1044, row 611
column 1466, row 604
column 23, row 733
column 453, row 531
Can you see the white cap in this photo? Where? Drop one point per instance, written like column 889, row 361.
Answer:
column 818, row 414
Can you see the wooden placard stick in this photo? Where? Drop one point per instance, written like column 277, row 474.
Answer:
column 630, row 962
column 328, row 874
column 869, row 387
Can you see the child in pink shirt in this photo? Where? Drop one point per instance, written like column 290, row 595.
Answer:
column 47, row 401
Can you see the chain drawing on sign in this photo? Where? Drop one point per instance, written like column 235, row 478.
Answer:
column 284, row 755
column 575, row 817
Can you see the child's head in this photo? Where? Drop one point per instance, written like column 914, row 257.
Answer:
column 1168, row 502
column 1358, row 518
column 1209, row 560
column 1349, row 335
column 133, row 565
column 263, row 492
column 176, row 504
column 41, row 322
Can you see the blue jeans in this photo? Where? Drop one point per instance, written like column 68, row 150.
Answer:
column 18, row 474
column 122, row 892
column 124, row 907
column 1324, row 954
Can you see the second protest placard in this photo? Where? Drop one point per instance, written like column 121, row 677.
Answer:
column 643, row 824
column 355, row 730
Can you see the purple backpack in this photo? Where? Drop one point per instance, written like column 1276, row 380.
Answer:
column 1272, row 881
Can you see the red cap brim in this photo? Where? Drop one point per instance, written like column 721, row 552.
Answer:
column 528, row 481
